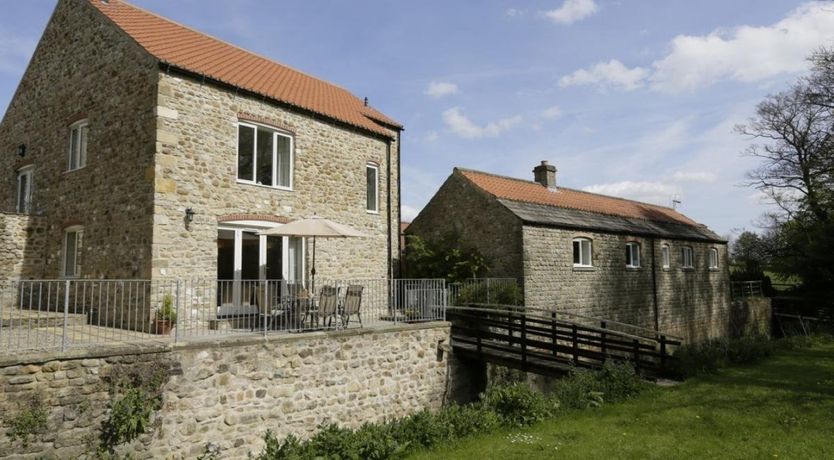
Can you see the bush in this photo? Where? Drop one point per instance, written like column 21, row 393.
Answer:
column 497, row 293
column 709, row 356
column 518, row 405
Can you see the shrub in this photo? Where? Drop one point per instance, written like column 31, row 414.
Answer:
column 708, row 356
column 618, row 381
column 579, row 390
column 463, row 421
column 498, row 293
column 518, row 405
column 28, row 422
column 288, row 449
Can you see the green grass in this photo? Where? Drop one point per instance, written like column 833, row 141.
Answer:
column 782, row 408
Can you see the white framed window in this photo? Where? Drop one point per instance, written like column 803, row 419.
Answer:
column 632, row 255
column 687, row 257
column 372, row 188
column 264, row 156
column 77, row 157
column 665, row 256
column 713, row 259
column 23, row 204
column 73, row 239
column 582, row 252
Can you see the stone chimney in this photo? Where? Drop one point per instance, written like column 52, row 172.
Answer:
column 545, row 174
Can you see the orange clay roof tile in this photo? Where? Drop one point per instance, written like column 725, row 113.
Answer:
column 192, row 51
column 532, row 192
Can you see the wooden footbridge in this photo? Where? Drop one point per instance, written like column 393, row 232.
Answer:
column 550, row 343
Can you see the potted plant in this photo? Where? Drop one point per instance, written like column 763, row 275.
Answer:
column 166, row 316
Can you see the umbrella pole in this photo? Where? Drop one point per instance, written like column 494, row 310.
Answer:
column 313, row 271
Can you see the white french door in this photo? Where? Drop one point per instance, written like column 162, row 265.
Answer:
column 245, row 259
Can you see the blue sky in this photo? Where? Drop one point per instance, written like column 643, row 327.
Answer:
column 633, row 98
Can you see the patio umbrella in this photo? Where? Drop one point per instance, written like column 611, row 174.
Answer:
column 314, row 227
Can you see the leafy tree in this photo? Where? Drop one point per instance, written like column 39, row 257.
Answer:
column 445, row 257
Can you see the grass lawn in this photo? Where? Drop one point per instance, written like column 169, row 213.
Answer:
column 782, row 408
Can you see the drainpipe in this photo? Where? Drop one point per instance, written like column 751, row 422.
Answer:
column 390, row 264
column 399, row 204
column 654, row 288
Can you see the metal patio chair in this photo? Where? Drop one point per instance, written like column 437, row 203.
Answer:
column 352, row 304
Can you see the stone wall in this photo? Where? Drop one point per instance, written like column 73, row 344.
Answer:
column 461, row 208
column 229, row 393
column 196, row 167
column 693, row 303
column 84, row 67
column 21, row 246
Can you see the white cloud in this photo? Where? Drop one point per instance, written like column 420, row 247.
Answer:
column 461, row 125
column 408, row 213
column 649, row 192
column 745, row 53
column 432, row 136
column 572, row 11
column 607, row 74
column 441, row 88
column 552, row 112
column 514, row 12
column 694, row 176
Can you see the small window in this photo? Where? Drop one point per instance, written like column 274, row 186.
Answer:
column 372, row 187
column 72, row 249
column 582, row 252
column 24, row 190
column 665, row 256
column 264, row 157
column 687, row 257
column 78, row 146
column 632, row 255
column 713, row 258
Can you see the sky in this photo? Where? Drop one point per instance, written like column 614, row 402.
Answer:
column 632, row 98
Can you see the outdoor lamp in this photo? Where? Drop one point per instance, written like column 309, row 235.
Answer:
column 189, row 215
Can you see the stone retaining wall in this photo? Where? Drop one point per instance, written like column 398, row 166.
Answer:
column 229, row 393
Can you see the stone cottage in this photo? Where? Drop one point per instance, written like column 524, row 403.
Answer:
column 588, row 254
column 138, row 148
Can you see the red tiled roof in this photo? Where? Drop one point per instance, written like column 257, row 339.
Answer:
column 532, row 192
column 187, row 49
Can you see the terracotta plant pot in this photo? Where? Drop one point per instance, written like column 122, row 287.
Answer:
column 163, row 326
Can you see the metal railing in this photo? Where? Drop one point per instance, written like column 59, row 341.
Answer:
column 502, row 291
column 64, row 314
column 742, row 289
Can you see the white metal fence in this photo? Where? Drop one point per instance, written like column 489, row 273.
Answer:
column 64, row 314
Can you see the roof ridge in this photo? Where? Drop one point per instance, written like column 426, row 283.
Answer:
column 566, row 188
column 192, row 29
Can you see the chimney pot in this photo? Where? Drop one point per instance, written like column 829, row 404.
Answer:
column 545, row 174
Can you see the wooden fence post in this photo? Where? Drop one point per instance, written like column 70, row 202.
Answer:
column 575, row 345
column 603, row 325
column 662, row 353
column 524, row 341
column 637, row 355
column 553, row 331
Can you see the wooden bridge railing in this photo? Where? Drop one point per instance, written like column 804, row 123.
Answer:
column 541, row 342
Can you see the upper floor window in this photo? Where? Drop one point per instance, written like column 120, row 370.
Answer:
column 72, row 249
column 713, row 258
column 665, row 256
column 632, row 255
column 372, row 187
column 77, row 157
column 687, row 257
column 582, row 252
column 264, row 156
column 24, row 190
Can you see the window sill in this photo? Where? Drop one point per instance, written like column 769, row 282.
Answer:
column 687, row 269
column 666, row 269
column 714, row 270
column 271, row 187
column 372, row 212
column 70, row 171
column 633, row 268
column 584, row 268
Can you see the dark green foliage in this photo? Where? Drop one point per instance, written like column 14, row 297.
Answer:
column 446, row 257
column 497, row 292
column 518, row 405
column 136, row 393
column 504, row 406
column 28, row 422
column 709, row 356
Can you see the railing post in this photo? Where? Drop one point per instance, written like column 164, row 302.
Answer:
column 177, row 313
column 662, row 353
column 66, row 315
column 553, row 332
column 575, row 344
column 603, row 336
column 266, row 309
column 487, row 286
column 524, row 341
column 637, row 355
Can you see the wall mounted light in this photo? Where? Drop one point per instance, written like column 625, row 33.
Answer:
column 21, row 150
column 189, row 215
